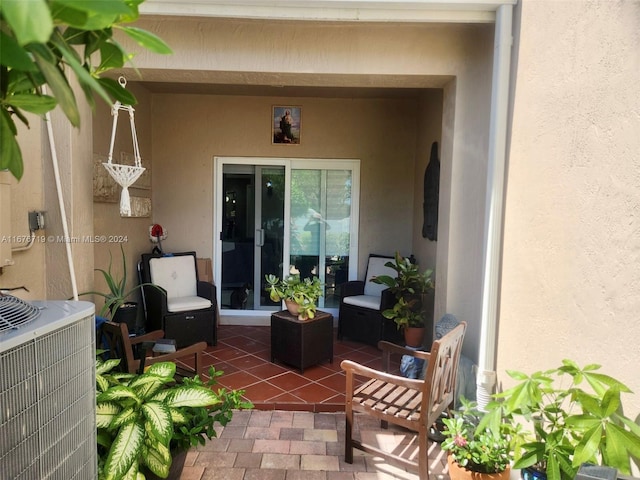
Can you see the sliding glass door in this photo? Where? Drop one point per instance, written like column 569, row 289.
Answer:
column 283, row 216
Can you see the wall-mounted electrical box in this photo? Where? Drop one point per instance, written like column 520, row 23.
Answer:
column 5, row 219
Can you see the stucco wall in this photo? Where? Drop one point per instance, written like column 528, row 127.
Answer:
column 44, row 268
column 570, row 281
column 379, row 132
column 27, row 195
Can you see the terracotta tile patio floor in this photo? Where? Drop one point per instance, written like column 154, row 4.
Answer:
column 243, row 353
column 296, row 429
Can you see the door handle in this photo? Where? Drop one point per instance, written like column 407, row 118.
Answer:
column 259, row 237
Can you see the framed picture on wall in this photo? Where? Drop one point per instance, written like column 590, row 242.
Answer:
column 285, row 125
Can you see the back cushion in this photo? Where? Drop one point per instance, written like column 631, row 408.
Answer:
column 177, row 275
column 376, row 267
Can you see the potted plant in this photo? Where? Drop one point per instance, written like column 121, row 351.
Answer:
column 570, row 425
column 116, row 304
column 478, row 447
column 300, row 296
column 414, row 294
column 144, row 421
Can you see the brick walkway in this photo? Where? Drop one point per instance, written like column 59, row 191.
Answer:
column 287, row 445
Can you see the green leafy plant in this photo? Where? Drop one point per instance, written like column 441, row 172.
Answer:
column 474, row 442
column 304, row 293
column 570, row 425
column 118, row 290
column 408, row 287
column 47, row 42
column 201, row 421
column 142, row 418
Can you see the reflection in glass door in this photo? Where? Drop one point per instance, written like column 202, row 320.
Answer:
column 320, row 228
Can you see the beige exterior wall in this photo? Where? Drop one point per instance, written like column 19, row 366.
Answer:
column 381, row 133
column 570, row 278
column 44, row 268
column 27, row 195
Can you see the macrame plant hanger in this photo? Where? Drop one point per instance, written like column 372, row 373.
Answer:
column 124, row 175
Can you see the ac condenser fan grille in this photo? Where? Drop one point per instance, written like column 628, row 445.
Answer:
column 14, row 313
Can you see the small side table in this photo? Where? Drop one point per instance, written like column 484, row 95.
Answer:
column 301, row 343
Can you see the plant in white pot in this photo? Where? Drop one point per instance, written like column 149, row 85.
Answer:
column 300, row 296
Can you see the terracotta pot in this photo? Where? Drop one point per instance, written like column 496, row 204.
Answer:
column 413, row 336
column 293, row 307
column 456, row 472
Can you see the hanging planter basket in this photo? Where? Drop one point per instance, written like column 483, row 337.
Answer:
column 124, row 175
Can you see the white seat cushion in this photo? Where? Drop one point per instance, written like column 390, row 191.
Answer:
column 377, row 267
column 365, row 301
column 184, row 304
column 177, row 275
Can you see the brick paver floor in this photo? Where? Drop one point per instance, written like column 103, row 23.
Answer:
column 290, row 445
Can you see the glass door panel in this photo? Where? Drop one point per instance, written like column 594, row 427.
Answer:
column 252, row 233
column 270, row 234
column 320, row 228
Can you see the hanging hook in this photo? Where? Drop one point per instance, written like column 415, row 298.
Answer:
column 122, row 81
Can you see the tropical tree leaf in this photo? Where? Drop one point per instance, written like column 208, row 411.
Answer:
column 38, row 104
column 83, row 75
column 111, row 56
column 147, row 40
column 31, row 21
column 69, row 16
column 600, row 382
column 586, row 450
column 553, row 469
column 611, row 401
column 14, row 56
column 116, row 91
column 619, row 442
column 124, row 451
column 10, row 154
column 57, row 82
column 112, row 7
column 532, row 452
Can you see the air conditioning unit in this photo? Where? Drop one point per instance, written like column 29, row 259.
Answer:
column 48, row 392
